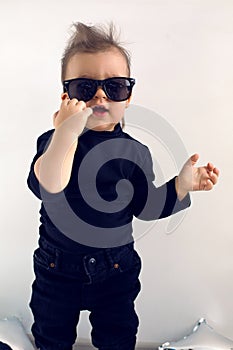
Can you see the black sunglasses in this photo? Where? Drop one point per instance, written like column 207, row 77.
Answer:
column 116, row 89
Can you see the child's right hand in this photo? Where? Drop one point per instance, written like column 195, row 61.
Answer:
column 72, row 116
column 53, row 167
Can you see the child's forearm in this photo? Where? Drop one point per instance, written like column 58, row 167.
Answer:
column 53, row 168
column 181, row 193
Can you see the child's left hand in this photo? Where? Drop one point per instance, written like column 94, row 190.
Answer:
column 193, row 178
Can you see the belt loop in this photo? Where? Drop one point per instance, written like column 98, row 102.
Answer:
column 109, row 256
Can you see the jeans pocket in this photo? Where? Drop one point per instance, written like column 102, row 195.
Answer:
column 44, row 259
column 130, row 260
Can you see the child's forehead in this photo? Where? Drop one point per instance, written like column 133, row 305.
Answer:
column 113, row 51
column 97, row 65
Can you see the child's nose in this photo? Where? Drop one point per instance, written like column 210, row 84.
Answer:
column 100, row 93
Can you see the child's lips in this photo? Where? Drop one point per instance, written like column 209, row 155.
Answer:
column 99, row 110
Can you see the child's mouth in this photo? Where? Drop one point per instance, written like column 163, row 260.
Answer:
column 99, row 110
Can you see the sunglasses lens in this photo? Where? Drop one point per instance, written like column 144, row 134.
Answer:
column 118, row 89
column 82, row 89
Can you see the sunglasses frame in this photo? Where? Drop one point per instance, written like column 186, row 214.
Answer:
column 101, row 83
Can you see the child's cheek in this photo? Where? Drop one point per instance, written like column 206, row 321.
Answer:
column 117, row 110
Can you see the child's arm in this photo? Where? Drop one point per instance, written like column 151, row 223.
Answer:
column 152, row 203
column 53, row 168
column 193, row 178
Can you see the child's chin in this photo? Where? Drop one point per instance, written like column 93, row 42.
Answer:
column 101, row 126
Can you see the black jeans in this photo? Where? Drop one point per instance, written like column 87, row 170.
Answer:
column 105, row 283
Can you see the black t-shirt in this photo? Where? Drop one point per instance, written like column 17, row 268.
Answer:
column 4, row 346
column 111, row 182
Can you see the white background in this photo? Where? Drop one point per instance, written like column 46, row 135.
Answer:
column 182, row 56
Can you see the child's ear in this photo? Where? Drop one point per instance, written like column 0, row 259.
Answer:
column 64, row 95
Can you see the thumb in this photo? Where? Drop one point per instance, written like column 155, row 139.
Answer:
column 83, row 115
column 194, row 158
column 87, row 112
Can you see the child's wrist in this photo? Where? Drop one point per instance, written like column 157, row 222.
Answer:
column 180, row 191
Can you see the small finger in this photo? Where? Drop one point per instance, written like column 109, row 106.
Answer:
column 81, row 104
column 76, row 103
column 210, row 166
column 73, row 101
column 214, row 178
column 216, row 171
column 209, row 185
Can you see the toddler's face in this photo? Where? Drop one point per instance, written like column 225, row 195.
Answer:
column 99, row 66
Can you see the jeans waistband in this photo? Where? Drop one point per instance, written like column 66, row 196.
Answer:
column 107, row 254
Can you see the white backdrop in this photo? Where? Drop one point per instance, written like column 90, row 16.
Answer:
column 182, row 59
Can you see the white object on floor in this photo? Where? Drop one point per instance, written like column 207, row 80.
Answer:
column 203, row 337
column 13, row 334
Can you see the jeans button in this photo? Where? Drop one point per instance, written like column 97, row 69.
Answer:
column 92, row 262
